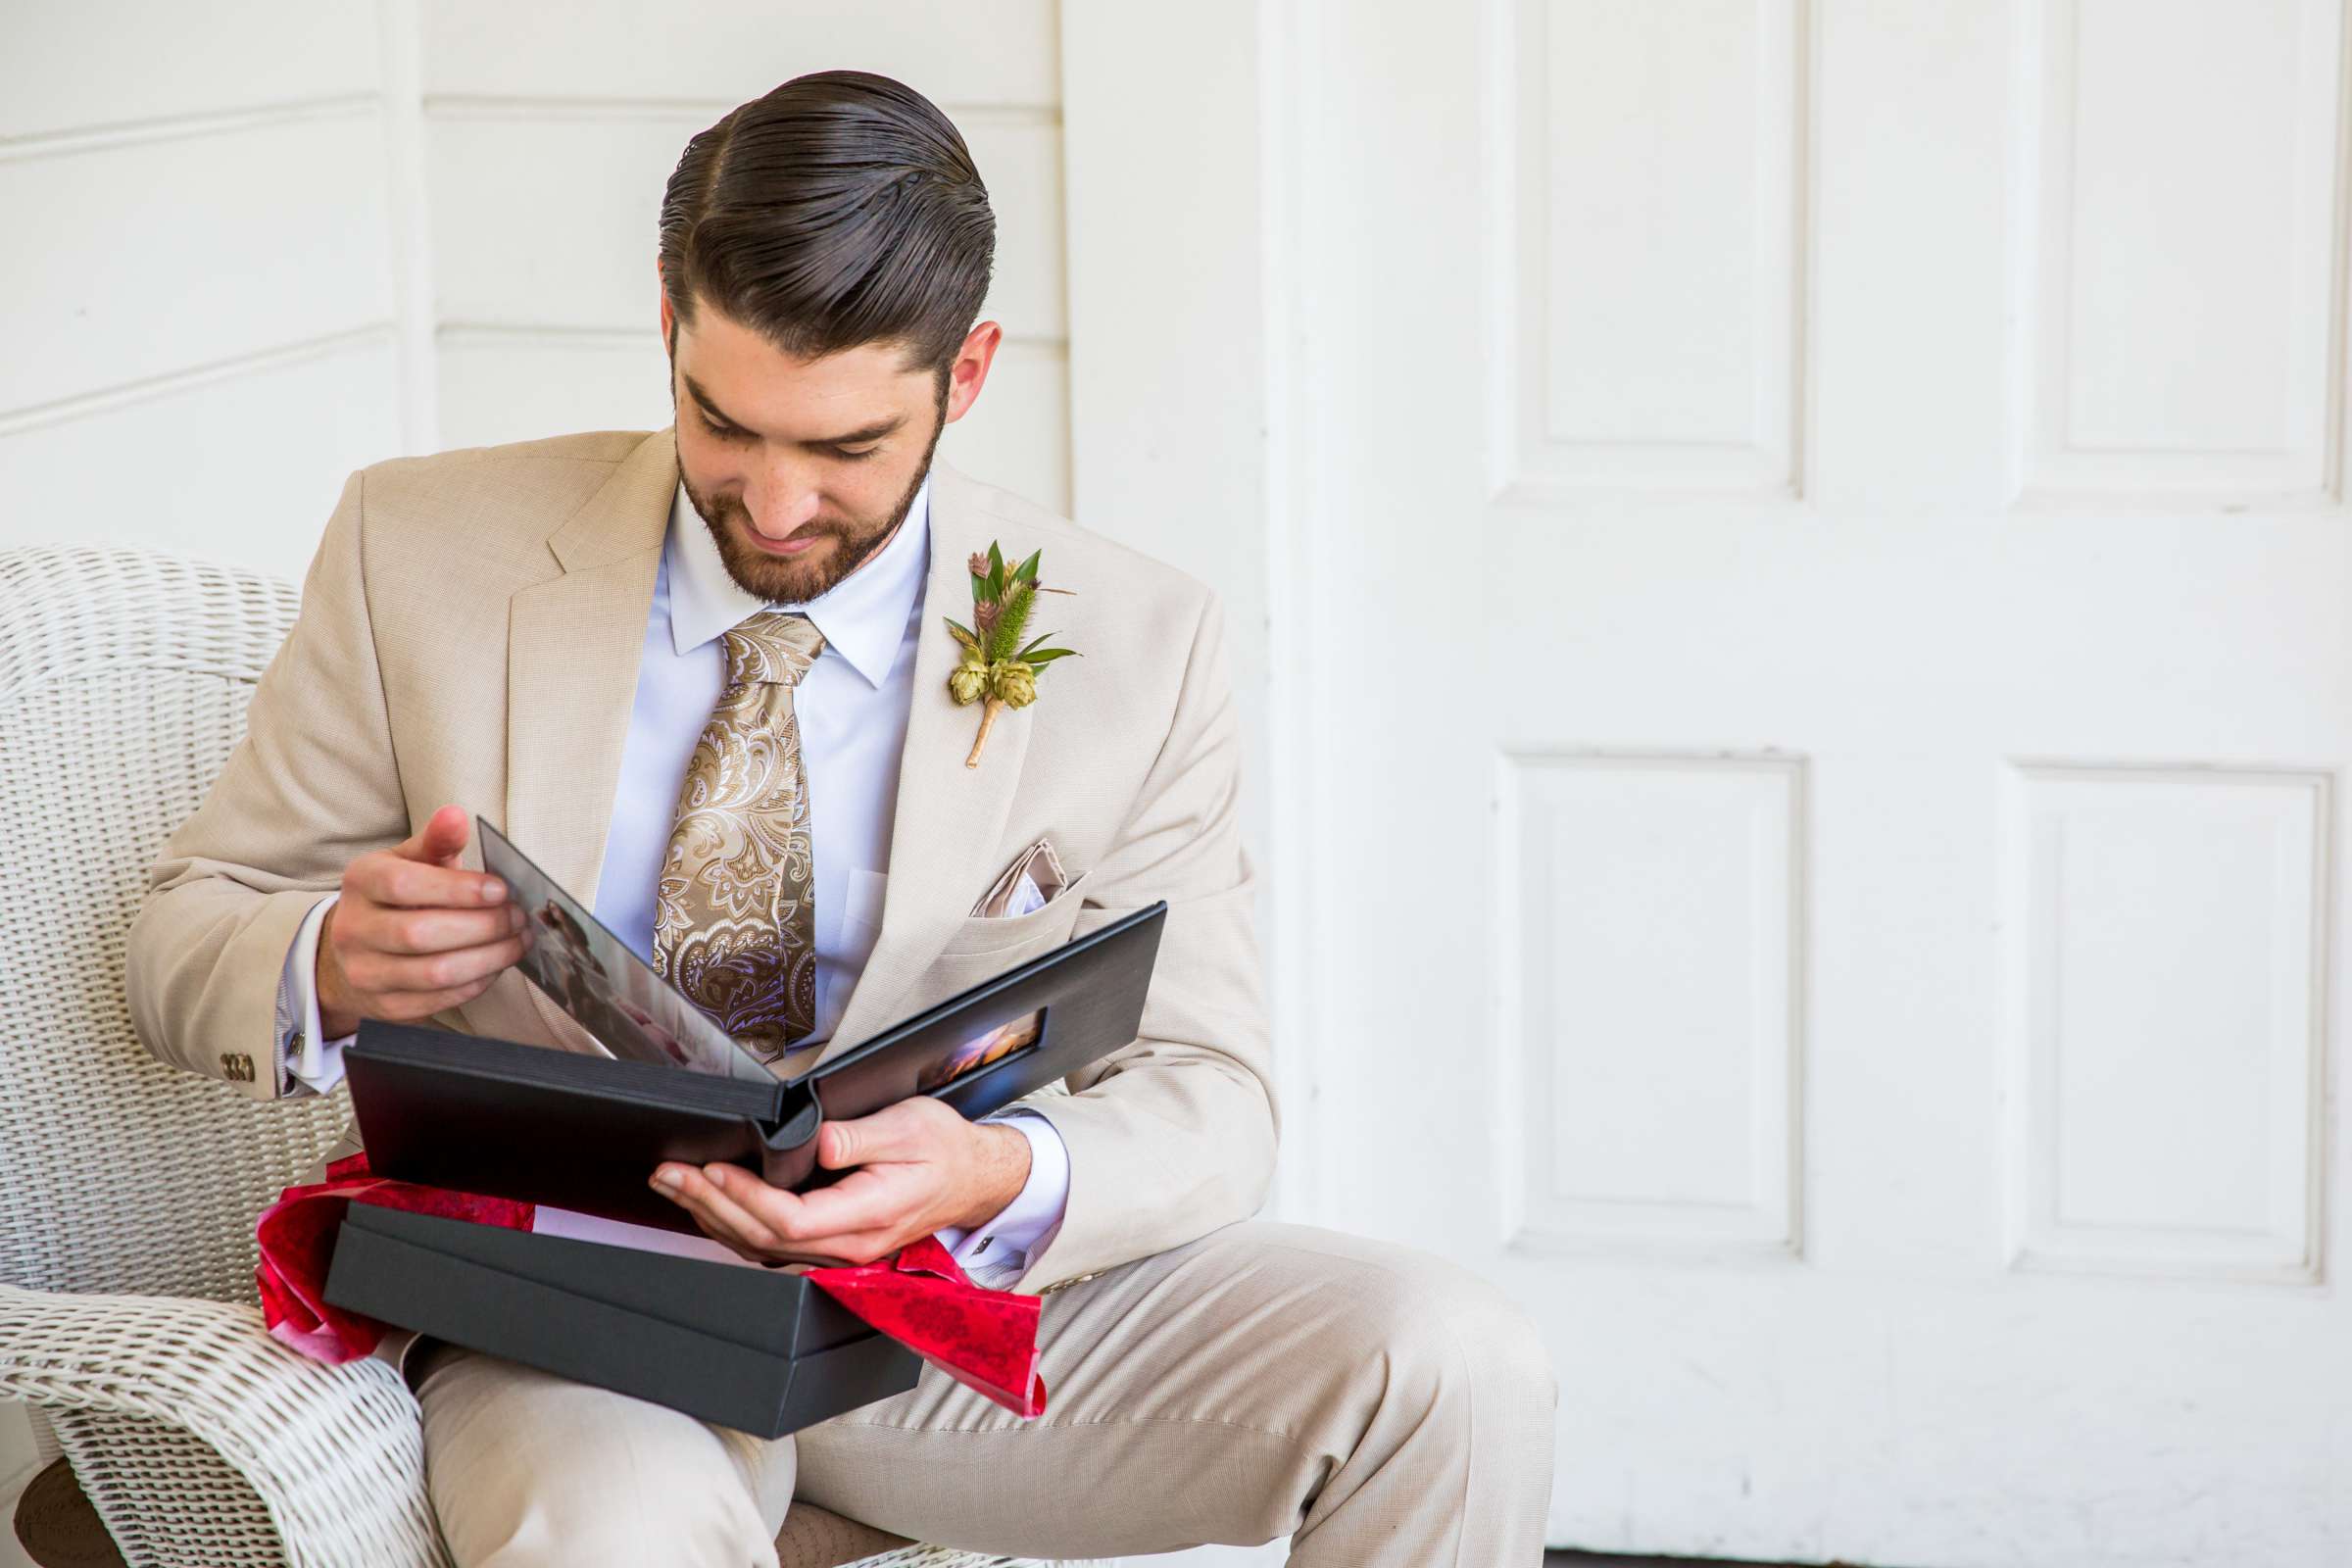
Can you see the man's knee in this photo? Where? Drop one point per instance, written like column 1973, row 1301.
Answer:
column 524, row 1468
column 1454, row 1344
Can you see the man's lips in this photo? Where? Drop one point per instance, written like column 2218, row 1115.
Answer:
column 799, row 542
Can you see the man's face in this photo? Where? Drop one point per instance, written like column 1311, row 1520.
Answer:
column 804, row 468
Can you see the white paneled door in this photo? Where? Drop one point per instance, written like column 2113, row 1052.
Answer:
column 1830, row 603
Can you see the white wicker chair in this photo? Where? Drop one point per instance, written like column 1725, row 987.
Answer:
column 124, row 679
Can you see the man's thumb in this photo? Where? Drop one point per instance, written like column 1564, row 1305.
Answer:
column 441, row 837
column 838, row 1146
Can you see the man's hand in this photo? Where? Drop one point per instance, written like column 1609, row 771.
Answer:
column 414, row 934
column 920, row 1166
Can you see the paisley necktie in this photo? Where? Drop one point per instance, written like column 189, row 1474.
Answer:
column 735, row 909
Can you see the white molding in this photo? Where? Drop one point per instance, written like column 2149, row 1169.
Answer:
column 2050, row 470
column 1191, row 406
column 1769, row 1230
column 82, row 405
column 1773, row 466
column 2037, row 1242
column 409, row 209
column 1299, row 616
column 182, row 128
column 446, row 106
column 627, row 337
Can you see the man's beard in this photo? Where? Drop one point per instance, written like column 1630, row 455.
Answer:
column 783, row 579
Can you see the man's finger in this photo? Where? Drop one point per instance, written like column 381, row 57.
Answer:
column 386, row 974
column 716, row 1212
column 405, row 1007
column 781, row 1224
column 440, row 840
column 436, row 930
column 781, row 1214
column 835, row 1251
column 718, row 1231
column 392, row 879
column 698, row 1209
column 834, row 1215
column 854, row 1222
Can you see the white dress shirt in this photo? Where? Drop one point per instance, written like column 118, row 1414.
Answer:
column 852, row 707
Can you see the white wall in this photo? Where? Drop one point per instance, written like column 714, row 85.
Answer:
column 549, row 128
column 255, row 248
column 197, row 290
column 252, row 248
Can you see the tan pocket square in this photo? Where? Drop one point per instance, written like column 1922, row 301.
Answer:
column 1028, row 884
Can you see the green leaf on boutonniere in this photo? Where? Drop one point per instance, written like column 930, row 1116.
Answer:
column 996, row 667
column 1012, row 618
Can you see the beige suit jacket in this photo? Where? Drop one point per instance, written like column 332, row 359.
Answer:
column 471, row 631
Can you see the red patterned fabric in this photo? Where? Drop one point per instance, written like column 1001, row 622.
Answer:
column 986, row 1340
column 296, row 1237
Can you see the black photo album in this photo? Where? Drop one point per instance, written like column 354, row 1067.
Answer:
column 584, row 1132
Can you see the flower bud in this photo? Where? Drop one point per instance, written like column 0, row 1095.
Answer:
column 1016, row 683
column 967, row 682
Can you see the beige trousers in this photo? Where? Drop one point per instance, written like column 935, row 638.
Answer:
column 1384, row 1408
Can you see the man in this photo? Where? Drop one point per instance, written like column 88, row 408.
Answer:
column 705, row 672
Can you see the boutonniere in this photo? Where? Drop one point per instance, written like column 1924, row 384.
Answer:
column 996, row 665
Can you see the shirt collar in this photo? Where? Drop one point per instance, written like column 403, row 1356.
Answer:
column 863, row 616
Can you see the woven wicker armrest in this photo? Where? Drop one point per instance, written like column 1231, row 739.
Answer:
column 335, row 1453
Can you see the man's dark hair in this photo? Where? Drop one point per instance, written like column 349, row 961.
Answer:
column 840, row 209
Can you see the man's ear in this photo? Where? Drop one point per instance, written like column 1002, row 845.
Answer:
column 969, row 371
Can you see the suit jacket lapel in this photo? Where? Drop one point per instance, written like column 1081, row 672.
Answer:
column 950, row 818
column 572, row 655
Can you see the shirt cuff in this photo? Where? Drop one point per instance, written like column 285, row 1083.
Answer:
column 315, row 1063
column 998, row 1254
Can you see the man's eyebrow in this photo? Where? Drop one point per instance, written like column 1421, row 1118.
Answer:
column 872, row 433
column 709, row 407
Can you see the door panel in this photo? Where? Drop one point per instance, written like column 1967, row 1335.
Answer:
column 1835, row 576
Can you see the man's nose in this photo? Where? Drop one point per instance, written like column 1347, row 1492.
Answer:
column 781, row 497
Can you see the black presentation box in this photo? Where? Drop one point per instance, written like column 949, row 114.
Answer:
column 757, row 1350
